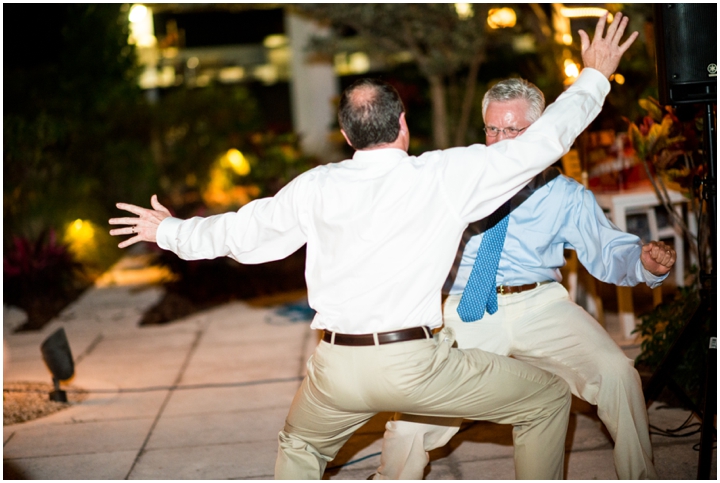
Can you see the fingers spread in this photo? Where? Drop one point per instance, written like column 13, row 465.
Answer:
column 123, row 231
column 620, row 30
column 156, row 204
column 600, row 28
column 129, row 241
column 584, row 40
column 123, row 221
column 613, row 26
column 131, row 208
column 626, row 45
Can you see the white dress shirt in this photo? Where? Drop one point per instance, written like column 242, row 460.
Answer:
column 383, row 227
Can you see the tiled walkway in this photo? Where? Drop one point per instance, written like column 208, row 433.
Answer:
column 204, row 398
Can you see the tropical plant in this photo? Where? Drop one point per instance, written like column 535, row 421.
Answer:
column 666, row 147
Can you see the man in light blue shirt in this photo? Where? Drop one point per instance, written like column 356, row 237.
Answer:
column 535, row 321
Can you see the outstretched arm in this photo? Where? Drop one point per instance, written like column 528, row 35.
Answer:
column 144, row 227
column 263, row 230
column 477, row 189
column 604, row 53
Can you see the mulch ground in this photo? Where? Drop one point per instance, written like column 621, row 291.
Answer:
column 25, row 401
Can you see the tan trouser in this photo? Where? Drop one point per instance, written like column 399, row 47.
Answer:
column 346, row 386
column 544, row 328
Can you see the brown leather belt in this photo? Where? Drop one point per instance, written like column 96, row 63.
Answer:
column 508, row 289
column 382, row 337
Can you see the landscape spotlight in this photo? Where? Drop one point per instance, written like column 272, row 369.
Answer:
column 58, row 358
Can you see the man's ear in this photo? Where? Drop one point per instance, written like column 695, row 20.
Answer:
column 346, row 138
column 403, row 123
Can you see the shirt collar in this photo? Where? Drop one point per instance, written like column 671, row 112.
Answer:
column 380, row 155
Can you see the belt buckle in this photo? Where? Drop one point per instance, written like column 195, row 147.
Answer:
column 502, row 289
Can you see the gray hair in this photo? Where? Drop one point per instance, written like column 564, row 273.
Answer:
column 511, row 89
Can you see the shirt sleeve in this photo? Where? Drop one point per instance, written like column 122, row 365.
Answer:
column 609, row 254
column 479, row 179
column 263, row 230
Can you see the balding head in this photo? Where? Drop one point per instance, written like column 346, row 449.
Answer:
column 369, row 113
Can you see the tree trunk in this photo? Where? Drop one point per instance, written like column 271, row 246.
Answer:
column 439, row 112
column 467, row 104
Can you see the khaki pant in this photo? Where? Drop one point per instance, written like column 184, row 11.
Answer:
column 544, row 328
column 346, row 386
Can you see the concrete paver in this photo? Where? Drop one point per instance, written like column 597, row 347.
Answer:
column 95, row 466
column 234, row 398
column 204, row 398
column 78, row 438
column 254, row 460
column 218, row 428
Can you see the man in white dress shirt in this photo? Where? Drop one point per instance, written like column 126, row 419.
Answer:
column 534, row 320
column 381, row 231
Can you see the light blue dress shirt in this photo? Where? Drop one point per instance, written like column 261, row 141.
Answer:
column 562, row 214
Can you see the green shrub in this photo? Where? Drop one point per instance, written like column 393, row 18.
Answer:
column 662, row 327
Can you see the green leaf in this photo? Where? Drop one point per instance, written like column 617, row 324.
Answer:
column 652, row 109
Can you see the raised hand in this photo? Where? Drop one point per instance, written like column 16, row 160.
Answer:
column 604, row 53
column 657, row 257
column 144, row 227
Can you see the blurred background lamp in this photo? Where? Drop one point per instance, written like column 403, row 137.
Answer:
column 571, row 69
column 499, row 18
column 464, row 10
column 58, row 359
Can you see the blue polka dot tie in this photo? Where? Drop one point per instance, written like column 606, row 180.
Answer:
column 480, row 293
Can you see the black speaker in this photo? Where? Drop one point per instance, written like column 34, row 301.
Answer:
column 686, row 52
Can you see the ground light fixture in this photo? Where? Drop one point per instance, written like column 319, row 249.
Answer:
column 58, row 359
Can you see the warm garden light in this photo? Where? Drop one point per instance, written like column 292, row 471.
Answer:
column 464, row 10
column 619, row 78
column 231, row 74
column 571, row 69
column 238, row 162
column 142, row 30
column 275, row 41
column 138, row 13
column 499, row 18
column 81, row 239
column 359, row 63
column 567, row 39
column 580, row 12
column 80, row 232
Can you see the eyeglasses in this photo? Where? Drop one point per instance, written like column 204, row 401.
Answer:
column 509, row 132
